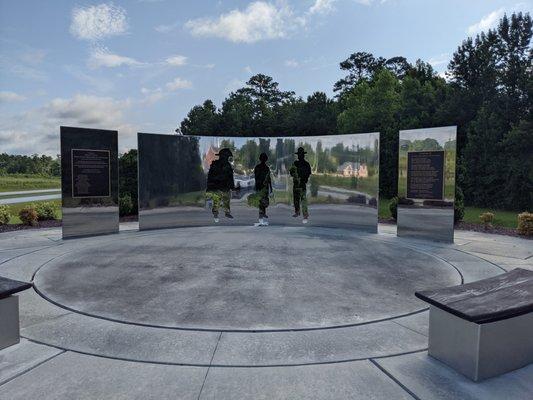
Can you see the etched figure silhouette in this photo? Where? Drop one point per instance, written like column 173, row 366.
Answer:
column 220, row 183
column 263, row 187
column 300, row 172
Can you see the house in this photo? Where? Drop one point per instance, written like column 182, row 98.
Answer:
column 353, row 169
column 209, row 156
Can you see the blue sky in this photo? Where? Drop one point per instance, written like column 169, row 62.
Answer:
column 140, row 65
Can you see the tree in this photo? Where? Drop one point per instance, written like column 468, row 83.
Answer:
column 201, row 120
column 127, row 172
column 374, row 106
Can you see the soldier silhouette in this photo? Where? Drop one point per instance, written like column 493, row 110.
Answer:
column 263, row 187
column 220, row 183
column 300, row 172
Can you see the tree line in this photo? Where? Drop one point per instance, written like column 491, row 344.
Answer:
column 487, row 93
column 34, row 165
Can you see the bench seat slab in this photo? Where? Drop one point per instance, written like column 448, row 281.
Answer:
column 480, row 351
column 9, row 321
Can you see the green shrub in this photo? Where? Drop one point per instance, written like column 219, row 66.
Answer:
column 525, row 224
column 46, row 211
column 125, row 205
column 459, row 205
column 487, row 218
column 5, row 215
column 393, row 207
column 28, row 216
column 314, row 186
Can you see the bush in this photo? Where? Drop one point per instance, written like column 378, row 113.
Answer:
column 459, row 205
column 5, row 215
column 125, row 205
column 487, row 218
column 46, row 211
column 28, row 216
column 525, row 224
column 314, row 186
column 393, row 207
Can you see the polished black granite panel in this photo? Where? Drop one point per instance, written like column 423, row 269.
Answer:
column 180, row 183
column 89, row 181
column 426, row 183
column 10, row 286
column 488, row 300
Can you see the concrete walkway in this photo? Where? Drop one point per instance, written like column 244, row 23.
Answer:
column 87, row 348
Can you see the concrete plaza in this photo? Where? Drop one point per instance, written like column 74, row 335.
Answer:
column 241, row 313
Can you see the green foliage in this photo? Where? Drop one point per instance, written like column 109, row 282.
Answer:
column 127, row 165
column 5, row 215
column 525, row 224
column 459, row 205
column 32, row 165
column 393, row 207
column 488, row 96
column 46, row 211
column 125, row 205
column 28, row 216
column 313, row 185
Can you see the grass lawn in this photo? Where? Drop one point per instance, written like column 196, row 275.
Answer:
column 15, row 208
column 16, row 182
column 507, row 219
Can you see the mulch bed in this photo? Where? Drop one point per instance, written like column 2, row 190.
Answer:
column 21, row 227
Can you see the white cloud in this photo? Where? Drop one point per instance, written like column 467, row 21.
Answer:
column 10, row 97
column 234, row 85
column 178, row 83
column 248, row 70
column 260, row 20
column 152, row 96
column 176, row 61
column 37, row 130
column 292, row 63
column 102, row 57
column 487, row 22
column 441, row 59
column 86, row 110
column 322, row 6
column 167, row 28
column 98, row 22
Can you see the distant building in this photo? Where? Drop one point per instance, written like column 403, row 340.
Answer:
column 209, row 156
column 353, row 169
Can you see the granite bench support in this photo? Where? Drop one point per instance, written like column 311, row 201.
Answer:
column 9, row 311
column 485, row 328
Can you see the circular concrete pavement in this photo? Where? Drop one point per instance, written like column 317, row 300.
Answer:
column 272, row 279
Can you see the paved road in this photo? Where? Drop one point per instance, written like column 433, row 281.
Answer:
column 29, row 192
column 28, row 199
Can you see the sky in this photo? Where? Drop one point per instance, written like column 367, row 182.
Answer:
column 140, row 65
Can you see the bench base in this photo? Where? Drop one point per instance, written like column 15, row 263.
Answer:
column 9, row 321
column 480, row 351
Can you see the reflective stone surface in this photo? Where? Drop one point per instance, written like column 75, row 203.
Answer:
column 426, row 191
column 89, row 181
column 193, row 181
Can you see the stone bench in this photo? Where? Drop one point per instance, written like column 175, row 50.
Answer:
column 484, row 328
column 9, row 311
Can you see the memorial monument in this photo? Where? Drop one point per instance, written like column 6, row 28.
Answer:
column 89, row 181
column 426, row 183
column 178, row 186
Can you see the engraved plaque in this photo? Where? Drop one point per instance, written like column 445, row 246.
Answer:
column 425, row 175
column 90, row 173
